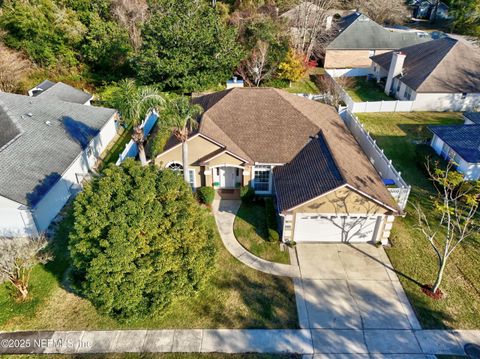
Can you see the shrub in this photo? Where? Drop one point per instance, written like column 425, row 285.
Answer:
column 139, row 241
column 271, row 219
column 247, row 194
column 206, row 195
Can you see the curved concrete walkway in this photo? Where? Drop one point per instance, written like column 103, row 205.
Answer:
column 225, row 212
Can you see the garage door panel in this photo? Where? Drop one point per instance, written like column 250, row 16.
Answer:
column 316, row 228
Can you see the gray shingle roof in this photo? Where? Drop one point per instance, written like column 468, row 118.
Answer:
column 463, row 139
column 36, row 159
column 310, row 174
column 64, row 92
column 8, row 128
column 473, row 116
column 439, row 66
column 357, row 31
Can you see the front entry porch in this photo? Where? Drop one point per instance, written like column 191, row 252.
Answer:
column 227, row 177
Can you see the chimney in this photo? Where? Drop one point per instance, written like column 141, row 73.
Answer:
column 396, row 68
column 328, row 25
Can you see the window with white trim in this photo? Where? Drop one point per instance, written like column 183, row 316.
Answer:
column 261, row 180
column 176, row 167
column 191, row 178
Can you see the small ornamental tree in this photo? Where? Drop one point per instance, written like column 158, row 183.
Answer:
column 455, row 216
column 18, row 257
column 293, row 67
column 139, row 240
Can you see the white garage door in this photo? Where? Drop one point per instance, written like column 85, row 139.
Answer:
column 315, row 228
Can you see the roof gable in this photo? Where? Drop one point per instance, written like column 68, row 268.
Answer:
column 64, row 92
column 358, row 31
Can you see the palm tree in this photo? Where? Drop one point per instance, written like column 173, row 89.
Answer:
column 134, row 103
column 182, row 116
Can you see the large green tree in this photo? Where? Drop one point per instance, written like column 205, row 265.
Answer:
column 466, row 16
column 139, row 240
column 186, row 46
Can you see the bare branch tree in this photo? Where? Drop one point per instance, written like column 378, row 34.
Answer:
column 255, row 68
column 455, row 210
column 331, row 88
column 131, row 14
column 382, row 11
column 14, row 67
column 309, row 23
column 18, row 256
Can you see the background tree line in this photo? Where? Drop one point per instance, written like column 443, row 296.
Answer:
column 178, row 45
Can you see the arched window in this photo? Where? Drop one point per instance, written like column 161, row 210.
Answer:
column 175, row 167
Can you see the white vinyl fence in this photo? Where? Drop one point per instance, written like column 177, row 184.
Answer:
column 372, row 106
column 131, row 149
column 382, row 164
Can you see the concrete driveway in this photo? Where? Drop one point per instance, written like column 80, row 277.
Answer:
column 350, row 287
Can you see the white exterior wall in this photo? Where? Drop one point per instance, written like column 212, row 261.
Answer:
column 354, row 72
column 471, row 171
column 446, row 102
column 15, row 219
column 46, row 210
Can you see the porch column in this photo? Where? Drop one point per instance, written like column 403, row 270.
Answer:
column 208, row 176
column 247, row 175
column 387, row 229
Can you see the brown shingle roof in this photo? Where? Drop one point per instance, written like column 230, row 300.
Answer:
column 440, row 66
column 272, row 126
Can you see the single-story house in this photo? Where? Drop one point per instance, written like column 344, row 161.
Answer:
column 460, row 144
column 47, row 148
column 294, row 149
column 439, row 75
column 360, row 38
column 60, row 91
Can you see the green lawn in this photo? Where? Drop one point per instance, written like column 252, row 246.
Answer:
column 397, row 134
column 250, row 229
column 236, row 297
column 114, row 152
column 362, row 90
column 306, row 85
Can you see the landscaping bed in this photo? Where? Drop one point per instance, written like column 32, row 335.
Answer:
column 236, row 297
column 361, row 90
column 401, row 135
column 252, row 232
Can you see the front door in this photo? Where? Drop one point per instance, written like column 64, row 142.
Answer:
column 227, row 177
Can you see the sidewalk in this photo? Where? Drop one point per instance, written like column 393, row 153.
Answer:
column 332, row 343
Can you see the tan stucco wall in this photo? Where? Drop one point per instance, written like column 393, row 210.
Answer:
column 198, row 147
column 332, row 203
column 338, row 59
column 225, row 159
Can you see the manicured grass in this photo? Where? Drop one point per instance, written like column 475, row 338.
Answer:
column 250, row 229
column 306, row 85
column 362, row 90
column 157, row 356
column 398, row 134
column 236, row 297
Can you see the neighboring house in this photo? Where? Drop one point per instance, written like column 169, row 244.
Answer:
column 292, row 148
column 440, row 75
column 60, row 91
column 360, row 38
column 460, row 144
column 424, row 9
column 47, row 148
